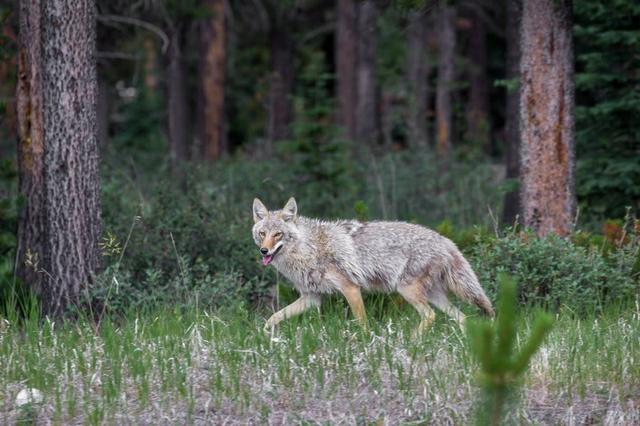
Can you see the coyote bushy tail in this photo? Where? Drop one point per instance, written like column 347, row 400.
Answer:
column 463, row 282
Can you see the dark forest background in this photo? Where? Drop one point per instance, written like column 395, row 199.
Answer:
column 370, row 109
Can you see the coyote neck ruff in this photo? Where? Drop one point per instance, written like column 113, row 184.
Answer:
column 323, row 257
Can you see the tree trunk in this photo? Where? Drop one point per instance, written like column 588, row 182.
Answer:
column 211, row 116
column 177, row 103
column 478, row 127
column 367, row 113
column 418, row 79
column 512, row 130
column 281, row 88
column 547, row 106
column 346, row 50
column 446, row 75
column 59, row 227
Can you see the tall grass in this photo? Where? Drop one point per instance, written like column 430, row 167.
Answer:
column 194, row 366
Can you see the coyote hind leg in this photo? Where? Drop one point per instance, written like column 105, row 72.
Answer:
column 438, row 298
column 415, row 294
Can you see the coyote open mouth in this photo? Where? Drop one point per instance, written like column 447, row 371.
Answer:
column 267, row 258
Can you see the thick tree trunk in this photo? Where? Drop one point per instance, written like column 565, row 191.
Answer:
column 346, row 50
column 478, row 126
column 177, row 103
column 446, row 75
column 29, row 98
column 367, row 112
column 211, row 126
column 512, row 129
column 281, row 88
column 547, row 106
column 418, row 79
column 59, row 226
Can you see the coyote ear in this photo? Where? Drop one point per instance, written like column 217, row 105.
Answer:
column 259, row 210
column 290, row 210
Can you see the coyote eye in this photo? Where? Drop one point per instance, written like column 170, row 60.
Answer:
column 261, row 233
column 278, row 235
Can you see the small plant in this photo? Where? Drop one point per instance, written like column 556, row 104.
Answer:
column 493, row 345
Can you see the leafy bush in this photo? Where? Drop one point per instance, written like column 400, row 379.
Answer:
column 117, row 291
column 167, row 233
column 553, row 271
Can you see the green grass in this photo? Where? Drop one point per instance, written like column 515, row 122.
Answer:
column 216, row 367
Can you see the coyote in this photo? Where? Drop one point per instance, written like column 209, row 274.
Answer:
column 347, row 256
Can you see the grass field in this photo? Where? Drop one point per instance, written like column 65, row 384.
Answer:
column 202, row 367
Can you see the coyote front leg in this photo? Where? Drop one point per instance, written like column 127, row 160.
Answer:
column 304, row 303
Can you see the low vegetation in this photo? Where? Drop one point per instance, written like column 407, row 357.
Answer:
column 201, row 366
column 172, row 329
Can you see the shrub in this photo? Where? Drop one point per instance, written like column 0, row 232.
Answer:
column 117, row 291
column 155, row 221
column 553, row 271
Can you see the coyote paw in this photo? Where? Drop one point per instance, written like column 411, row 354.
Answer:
column 270, row 325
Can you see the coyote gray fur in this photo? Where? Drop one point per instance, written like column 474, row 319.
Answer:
column 347, row 256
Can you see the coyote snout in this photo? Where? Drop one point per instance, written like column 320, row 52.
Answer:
column 347, row 256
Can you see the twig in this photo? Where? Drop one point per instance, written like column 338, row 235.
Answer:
column 175, row 250
column 118, row 55
column 113, row 276
column 140, row 23
column 316, row 32
column 494, row 220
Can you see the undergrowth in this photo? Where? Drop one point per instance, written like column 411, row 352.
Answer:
column 194, row 365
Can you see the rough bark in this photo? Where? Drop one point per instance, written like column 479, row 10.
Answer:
column 547, row 151
column 211, row 116
column 177, row 102
column 418, row 79
column 512, row 130
column 367, row 113
column 59, row 226
column 281, row 87
column 446, row 75
column 478, row 126
column 346, row 50
column 31, row 222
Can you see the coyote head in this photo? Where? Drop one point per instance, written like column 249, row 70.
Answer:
column 274, row 230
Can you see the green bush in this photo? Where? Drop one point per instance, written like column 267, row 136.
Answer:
column 117, row 291
column 151, row 220
column 553, row 271
column 204, row 233
column 173, row 243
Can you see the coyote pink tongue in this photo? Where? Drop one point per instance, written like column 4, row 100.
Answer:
column 267, row 259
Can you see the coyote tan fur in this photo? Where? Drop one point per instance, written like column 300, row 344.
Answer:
column 322, row 257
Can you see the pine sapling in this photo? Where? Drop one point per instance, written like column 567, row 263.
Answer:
column 501, row 364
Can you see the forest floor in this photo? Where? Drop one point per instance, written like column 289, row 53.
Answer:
column 200, row 367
